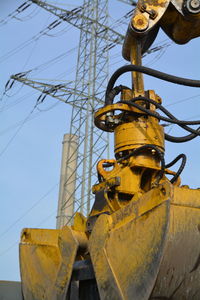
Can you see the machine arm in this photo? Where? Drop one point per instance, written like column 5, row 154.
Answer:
column 180, row 20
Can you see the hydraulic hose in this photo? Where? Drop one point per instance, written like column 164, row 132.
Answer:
column 156, row 115
column 150, row 72
column 115, row 91
column 168, row 137
column 163, row 109
column 180, row 156
column 181, row 139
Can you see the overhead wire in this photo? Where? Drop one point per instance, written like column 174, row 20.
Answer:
column 33, row 116
column 9, row 248
column 38, row 69
column 17, row 11
column 17, row 131
column 28, row 17
column 37, row 36
column 17, row 124
column 17, row 101
column 22, row 216
column 21, row 125
column 183, row 100
column 54, row 60
column 37, row 225
column 159, row 51
column 22, row 8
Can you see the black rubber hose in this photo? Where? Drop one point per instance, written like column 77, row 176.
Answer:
column 150, row 72
column 163, row 109
column 168, row 137
column 180, row 139
column 180, row 156
column 137, row 150
column 150, row 113
column 114, row 92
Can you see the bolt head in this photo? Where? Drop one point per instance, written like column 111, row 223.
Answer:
column 140, row 22
column 195, row 4
column 192, row 6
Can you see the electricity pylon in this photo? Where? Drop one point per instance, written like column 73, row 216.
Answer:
column 91, row 76
column 96, row 38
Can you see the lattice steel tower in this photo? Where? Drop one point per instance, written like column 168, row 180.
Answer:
column 91, row 76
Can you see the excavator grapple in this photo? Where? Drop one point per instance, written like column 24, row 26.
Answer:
column 141, row 239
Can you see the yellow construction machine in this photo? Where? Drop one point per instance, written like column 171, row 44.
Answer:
column 141, row 239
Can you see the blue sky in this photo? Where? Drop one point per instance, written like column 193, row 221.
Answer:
column 31, row 142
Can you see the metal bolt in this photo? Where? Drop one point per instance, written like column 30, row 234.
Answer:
column 140, row 22
column 153, row 14
column 143, row 8
column 120, row 154
column 192, row 6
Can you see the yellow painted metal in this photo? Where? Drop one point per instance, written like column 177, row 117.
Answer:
column 46, row 261
column 129, row 174
column 150, row 248
column 79, row 223
column 180, row 28
column 136, row 59
column 138, row 174
column 135, row 134
column 146, row 15
column 153, row 9
column 39, row 261
column 126, row 248
column 179, row 273
column 100, row 115
column 110, row 182
column 179, row 25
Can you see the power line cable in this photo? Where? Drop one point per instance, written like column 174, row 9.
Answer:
column 39, row 224
column 29, row 210
column 30, row 118
column 17, row 101
column 183, row 100
column 17, row 131
column 17, row 11
column 9, row 248
column 43, row 32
